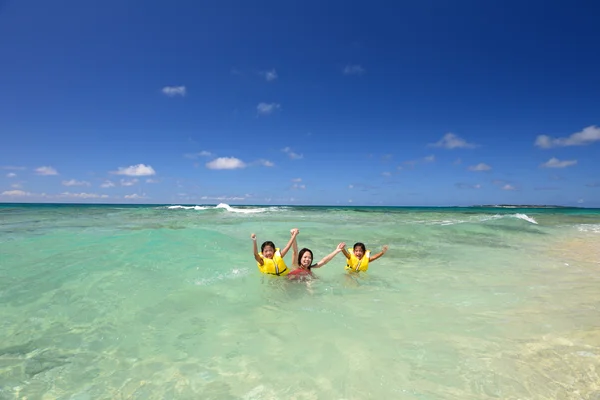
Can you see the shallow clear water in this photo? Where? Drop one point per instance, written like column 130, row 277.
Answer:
column 100, row 302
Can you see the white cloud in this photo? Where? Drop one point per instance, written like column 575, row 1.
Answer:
column 480, row 167
column 135, row 170
column 451, row 141
column 173, row 91
column 353, row 70
column 11, row 175
column 297, row 180
column 46, row 171
column 225, row 163
column 107, row 184
column 16, row 186
column 222, row 198
column 125, row 182
column 203, row 153
column 135, row 196
column 297, row 186
column 265, row 163
column 457, row 162
column 267, row 108
column 291, row 154
column 580, row 201
column 74, row 182
column 350, row 186
column 556, row 163
column 152, row 181
column 82, row 195
column 269, row 75
column 386, row 173
column 508, row 187
column 586, row 136
column 430, row 158
column 467, row 186
column 15, row 193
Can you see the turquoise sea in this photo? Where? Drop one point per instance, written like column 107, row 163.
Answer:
column 166, row 302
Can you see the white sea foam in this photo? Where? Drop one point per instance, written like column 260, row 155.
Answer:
column 240, row 210
column 198, row 208
column 227, row 207
column 189, row 207
column 233, row 274
column 526, row 218
column 476, row 219
column 484, row 218
column 589, row 228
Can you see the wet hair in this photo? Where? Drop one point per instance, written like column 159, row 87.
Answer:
column 265, row 244
column 301, row 253
column 361, row 245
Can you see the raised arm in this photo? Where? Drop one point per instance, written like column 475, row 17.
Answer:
column 345, row 252
column 256, row 256
column 382, row 252
column 289, row 244
column 295, row 248
column 330, row 256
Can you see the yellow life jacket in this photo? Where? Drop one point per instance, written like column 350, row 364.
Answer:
column 274, row 266
column 356, row 265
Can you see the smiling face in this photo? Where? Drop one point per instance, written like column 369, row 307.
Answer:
column 359, row 250
column 268, row 252
column 305, row 258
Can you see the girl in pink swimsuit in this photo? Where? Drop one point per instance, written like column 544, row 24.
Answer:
column 303, row 260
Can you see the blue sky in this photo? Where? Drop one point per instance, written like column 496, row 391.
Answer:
column 300, row 102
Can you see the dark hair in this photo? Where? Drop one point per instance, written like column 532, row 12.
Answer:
column 361, row 245
column 265, row 244
column 304, row 250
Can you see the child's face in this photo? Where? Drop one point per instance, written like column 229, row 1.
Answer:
column 306, row 259
column 268, row 252
column 358, row 252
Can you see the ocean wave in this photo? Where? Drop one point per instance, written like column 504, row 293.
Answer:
column 241, row 210
column 226, row 207
column 525, row 217
column 477, row 219
column 233, row 274
column 188, row 207
column 589, row 228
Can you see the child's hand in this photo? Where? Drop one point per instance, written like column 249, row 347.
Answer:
column 341, row 246
column 253, row 236
column 385, row 248
column 294, row 231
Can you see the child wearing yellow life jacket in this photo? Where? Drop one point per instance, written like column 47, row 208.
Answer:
column 360, row 257
column 270, row 259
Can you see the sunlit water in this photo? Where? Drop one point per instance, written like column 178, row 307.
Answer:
column 158, row 302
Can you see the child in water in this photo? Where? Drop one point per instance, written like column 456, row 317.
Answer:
column 360, row 257
column 270, row 259
column 303, row 260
